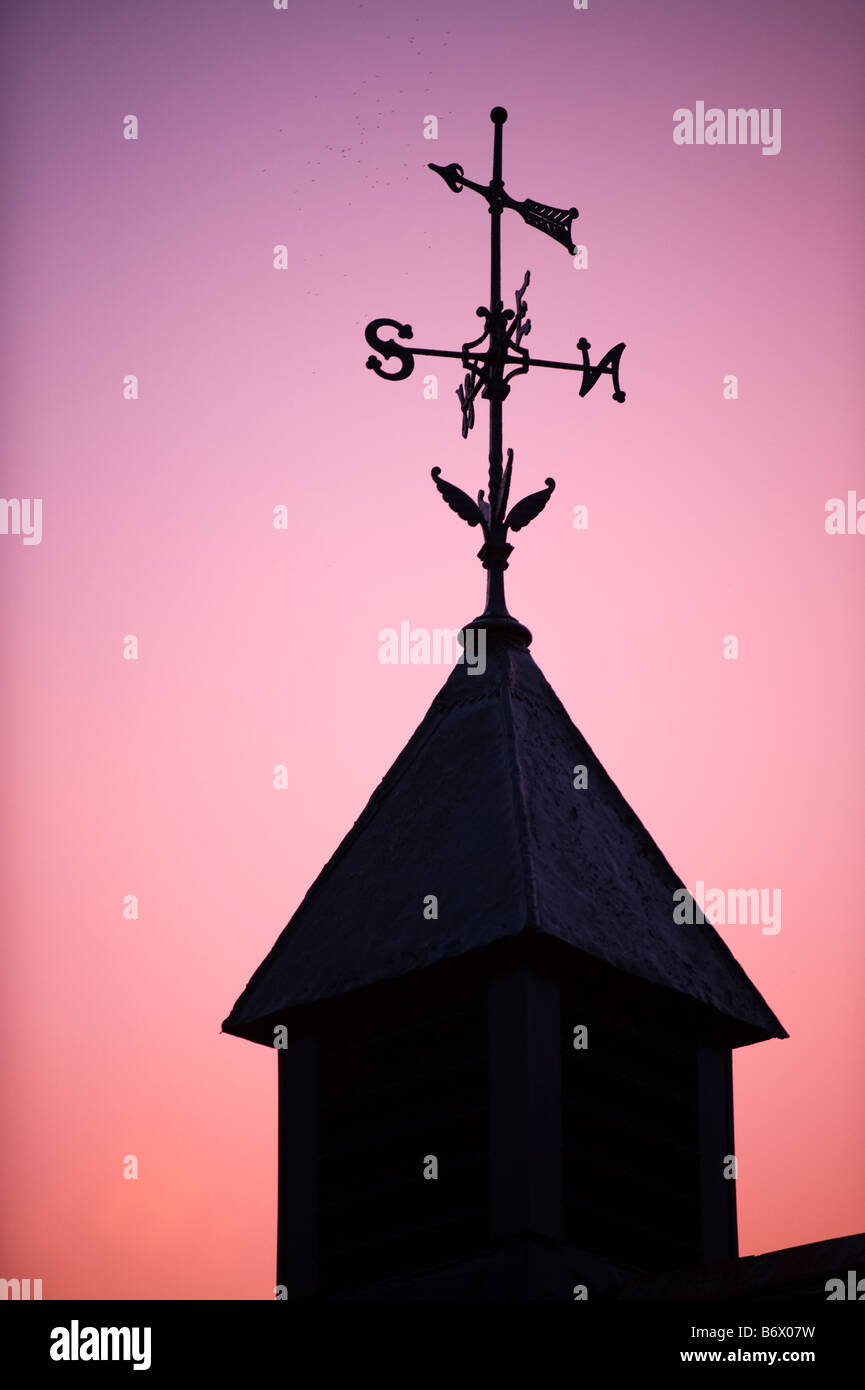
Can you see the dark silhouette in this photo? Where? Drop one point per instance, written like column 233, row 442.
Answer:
column 504, row 1066
column 489, row 372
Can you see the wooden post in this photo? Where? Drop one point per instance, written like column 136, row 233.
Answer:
column 525, row 1120
column 720, row 1240
column 297, row 1222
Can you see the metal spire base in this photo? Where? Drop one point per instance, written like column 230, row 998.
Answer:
column 503, row 628
column 495, row 618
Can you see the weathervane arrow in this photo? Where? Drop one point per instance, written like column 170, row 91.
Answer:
column 556, row 222
column 491, row 362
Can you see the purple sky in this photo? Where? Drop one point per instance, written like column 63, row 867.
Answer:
column 259, row 647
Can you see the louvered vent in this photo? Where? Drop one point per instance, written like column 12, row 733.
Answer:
column 397, row 1083
column 630, row 1129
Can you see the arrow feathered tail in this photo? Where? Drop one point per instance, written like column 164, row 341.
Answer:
column 555, row 222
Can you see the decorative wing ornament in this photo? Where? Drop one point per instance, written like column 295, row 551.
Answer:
column 458, row 501
column 530, row 507
column 490, row 515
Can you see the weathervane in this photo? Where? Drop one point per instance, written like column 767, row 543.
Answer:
column 489, row 372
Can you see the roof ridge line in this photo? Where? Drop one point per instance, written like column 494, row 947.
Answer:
column 720, row 948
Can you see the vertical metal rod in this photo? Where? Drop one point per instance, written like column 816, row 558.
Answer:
column 498, row 116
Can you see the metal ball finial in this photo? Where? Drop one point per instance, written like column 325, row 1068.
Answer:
column 498, row 115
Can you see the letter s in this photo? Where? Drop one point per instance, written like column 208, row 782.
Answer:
column 388, row 348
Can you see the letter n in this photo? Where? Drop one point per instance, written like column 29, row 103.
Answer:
column 609, row 364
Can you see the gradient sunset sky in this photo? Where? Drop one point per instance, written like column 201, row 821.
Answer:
column 259, row 647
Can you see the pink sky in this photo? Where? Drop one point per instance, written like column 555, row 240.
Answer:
column 259, row 647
